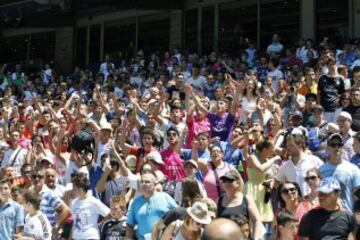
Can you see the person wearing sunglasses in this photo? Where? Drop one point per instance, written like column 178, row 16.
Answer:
column 290, row 200
column 235, row 203
column 51, row 205
column 313, row 178
column 173, row 167
column 329, row 220
column 345, row 172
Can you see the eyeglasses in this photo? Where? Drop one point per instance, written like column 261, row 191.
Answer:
column 307, row 179
column 145, row 182
column 37, row 176
column 288, row 190
column 215, row 151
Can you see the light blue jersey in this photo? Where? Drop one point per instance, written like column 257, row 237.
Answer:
column 349, row 177
column 145, row 213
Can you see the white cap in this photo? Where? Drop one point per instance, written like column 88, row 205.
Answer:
column 106, row 126
column 345, row 115
column 155, row 156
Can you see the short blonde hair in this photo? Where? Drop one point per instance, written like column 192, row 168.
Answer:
column 118, row 199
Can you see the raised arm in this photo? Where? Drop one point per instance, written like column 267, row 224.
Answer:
column 198, row 103
column 237, row 95
column 157, row 116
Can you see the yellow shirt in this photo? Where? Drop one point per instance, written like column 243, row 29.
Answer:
column 303, row 90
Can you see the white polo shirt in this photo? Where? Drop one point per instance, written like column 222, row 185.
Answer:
column 297, row 173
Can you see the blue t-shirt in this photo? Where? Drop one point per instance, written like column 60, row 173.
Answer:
column 94, row 176
column 356, row 160
column 232, row 155
column 12, row 216
column 186, row 154
column 145, row 213
column 348, row 176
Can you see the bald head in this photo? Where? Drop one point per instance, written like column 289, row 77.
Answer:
column 222, row 229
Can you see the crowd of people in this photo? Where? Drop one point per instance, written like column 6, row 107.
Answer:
column 261, row 145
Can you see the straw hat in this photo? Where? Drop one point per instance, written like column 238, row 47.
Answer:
column 199, row 213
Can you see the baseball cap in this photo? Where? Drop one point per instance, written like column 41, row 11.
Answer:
column 335, row 139
column 48, row 159
column 231, row 175
column 156, row 157
column 192, row 162
column 329, row 185
column 106, row 126
column 297, row 114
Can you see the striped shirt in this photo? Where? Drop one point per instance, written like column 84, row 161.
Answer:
column 49, row 203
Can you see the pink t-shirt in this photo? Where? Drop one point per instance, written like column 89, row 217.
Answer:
column 173, row 164
column 195, row 127
column 209, row 180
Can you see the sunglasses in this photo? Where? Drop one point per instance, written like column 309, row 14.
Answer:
column 307, row 179
column 171, row 134
column 37, row 176
column 334, row 145
column 288, row 190
column 225, row 180
column 27, row 172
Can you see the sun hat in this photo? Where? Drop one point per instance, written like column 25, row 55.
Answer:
column 199, row 213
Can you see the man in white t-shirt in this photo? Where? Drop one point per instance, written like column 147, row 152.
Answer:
column 37, row 225
column 86, row 210
column 275, row 74
column 107, row 66
column 15, row 155
column 196, row 80
column 295, row 169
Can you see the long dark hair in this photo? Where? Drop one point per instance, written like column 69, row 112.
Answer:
column 281, row 201
column 190, row 192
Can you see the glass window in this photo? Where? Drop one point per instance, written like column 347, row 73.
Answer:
column 94, row 50
column 81, row 46
column 15, row 49
column 281, row 17
column 191, row 30
column 43, row 46
column 332, row 18
column 207, row 30
column 154, row 35
column 235, row 24
column 119, row 36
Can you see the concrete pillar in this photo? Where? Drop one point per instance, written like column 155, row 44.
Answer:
column 176, row 28
column 308, row 19
column 356, row 18
column 64, row 38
